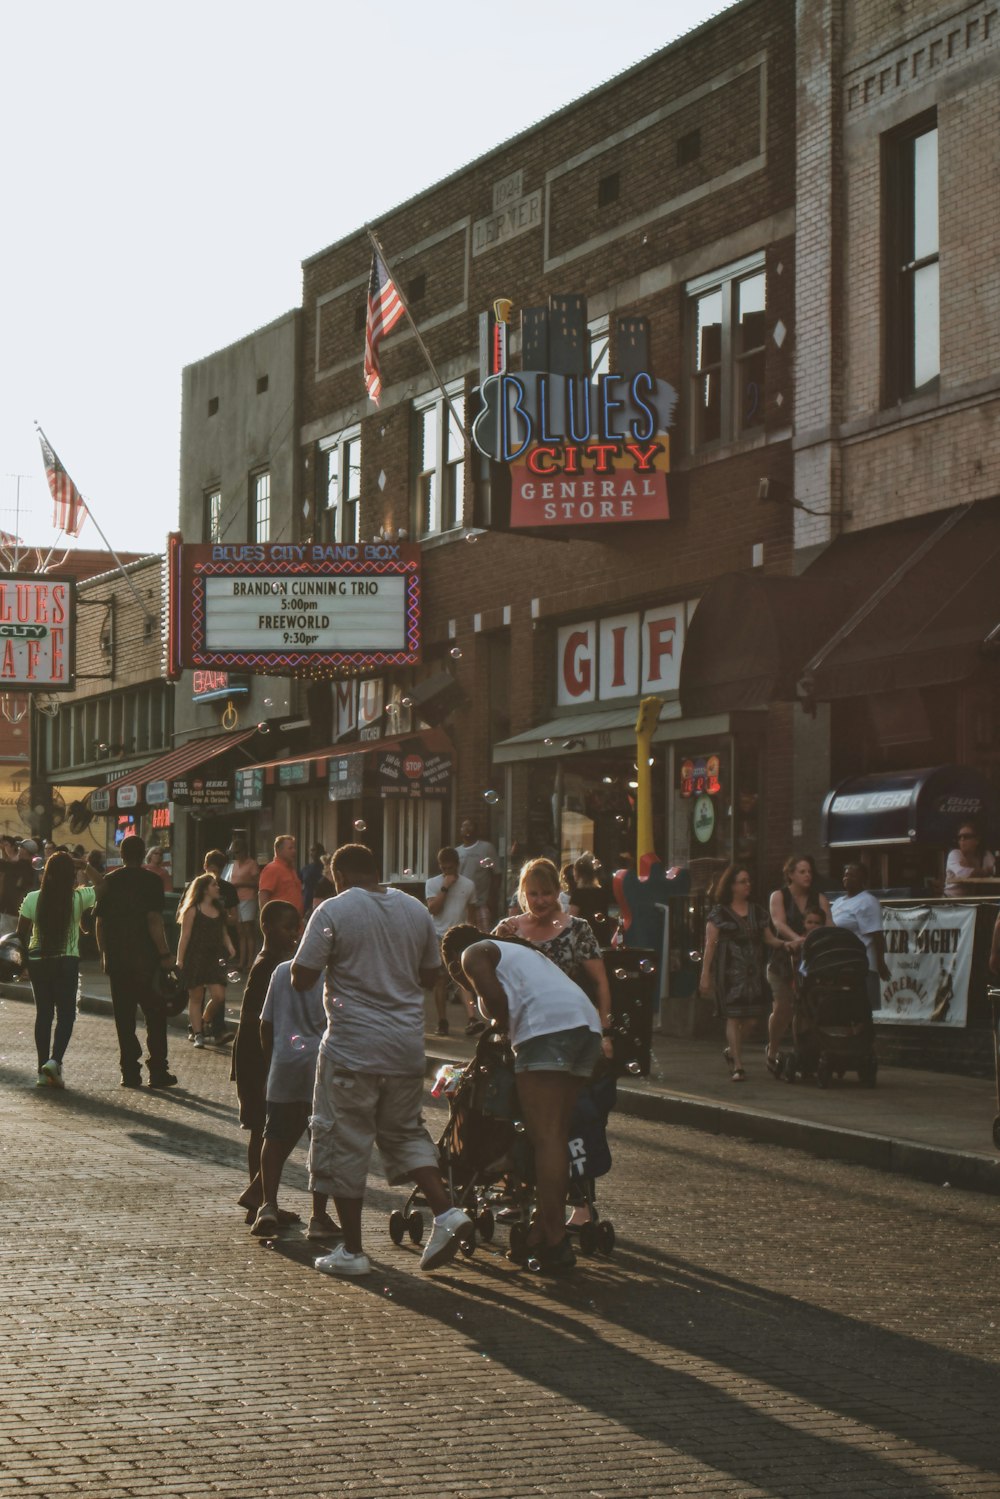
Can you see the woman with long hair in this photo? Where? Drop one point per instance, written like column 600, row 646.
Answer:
column 49, row 926
column 590, row 899
column 799, row 894
column 202, row 952
column 736, row 934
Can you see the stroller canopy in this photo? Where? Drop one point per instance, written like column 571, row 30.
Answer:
column 832, row 950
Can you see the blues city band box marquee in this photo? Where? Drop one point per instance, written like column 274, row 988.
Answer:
column 308, row 609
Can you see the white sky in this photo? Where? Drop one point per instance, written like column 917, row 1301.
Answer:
column 166, row 170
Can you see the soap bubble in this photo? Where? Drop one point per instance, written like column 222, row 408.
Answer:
column 487, row 864
column 548, row 741
column 472, row 536
column 634, row 1068
column 263, row 728
column 694, row 956
column 297, row 1043
column 519, row 1126
column 491, row 798
column 455, row 653
column 646, row 965
column 407, row 873
column 269, row 702
column 406, row 702
column 534, row 1265
column 620, row 973
column 360, row 826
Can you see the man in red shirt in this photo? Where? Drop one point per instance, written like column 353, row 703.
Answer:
column 279, row 880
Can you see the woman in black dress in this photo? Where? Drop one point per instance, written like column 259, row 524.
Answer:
column 202, row 953
column 736, row 935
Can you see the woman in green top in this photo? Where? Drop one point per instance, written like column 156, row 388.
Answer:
column 49, row 925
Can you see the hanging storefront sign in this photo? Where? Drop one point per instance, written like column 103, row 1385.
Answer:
column 202, row 791
column 703, row 818
column 100, row 800
column 208, row 686
column 127, row 796
column 928, row 950
column 157, row 794
column 309, row 608
column 249, row 789
column 619, row 657
column 581, row 451
column 346, row 778
column 295, row 774
column 412, row 772
column 37, row 633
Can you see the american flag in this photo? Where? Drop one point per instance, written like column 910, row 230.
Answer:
column 385, row 308
column 70, row 512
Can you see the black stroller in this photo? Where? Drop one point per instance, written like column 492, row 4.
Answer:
column 832, row 1018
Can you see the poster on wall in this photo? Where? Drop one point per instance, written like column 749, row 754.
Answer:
column 928, row 950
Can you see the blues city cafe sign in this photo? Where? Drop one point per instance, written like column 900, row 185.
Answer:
column 580, row 452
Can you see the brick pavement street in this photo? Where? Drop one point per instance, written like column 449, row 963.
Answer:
column 770, row 1323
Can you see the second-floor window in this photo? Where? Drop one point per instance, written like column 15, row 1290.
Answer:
column 912, row 321
column 341, row 518
column 727, row 353
column 260, row 506
column 440, row 463
column 212, row 528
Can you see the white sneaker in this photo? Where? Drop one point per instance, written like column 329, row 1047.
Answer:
column 444, row 1241
column 53, row 1071
column 342, row 1262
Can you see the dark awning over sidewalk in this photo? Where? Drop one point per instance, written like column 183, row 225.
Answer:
column 911, row 806
column 159, row 773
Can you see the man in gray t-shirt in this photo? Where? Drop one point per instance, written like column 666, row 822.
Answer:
column 378, row 948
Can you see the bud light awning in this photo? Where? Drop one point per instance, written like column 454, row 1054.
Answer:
column 909, row 806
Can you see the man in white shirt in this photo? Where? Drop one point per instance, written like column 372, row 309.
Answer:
column 449, row 896
column 477, row 861
column 859, row 912
column 378, row 948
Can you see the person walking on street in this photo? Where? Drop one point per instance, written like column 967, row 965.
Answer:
column 787, row 908
column 133, row 946
column 859, row 912
column 281, row 926
column 202, row 953
column 244, row 873
column 736, row 935
column 477, row 861
column 310, row 875
column 279, row 880
column 17, row 877
column 292, row 1023
column 448, row 896
column 48, row 926
column 379, row 948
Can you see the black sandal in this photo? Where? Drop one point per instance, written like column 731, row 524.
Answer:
column 738, row 1075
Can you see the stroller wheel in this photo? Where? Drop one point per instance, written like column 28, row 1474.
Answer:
column 605, row 1237
column 415, row 1227
column 588, row 1238
column 467, row 1244
column 397, row 1227
column 486, row 1226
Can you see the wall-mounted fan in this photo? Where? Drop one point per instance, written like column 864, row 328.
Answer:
column 33, row 807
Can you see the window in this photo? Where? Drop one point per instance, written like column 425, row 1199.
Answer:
column 608, row 189
column 440, row 463
column 727, row 345
column 411, row 836
column 212, row 526
column 913, row 317
column 417, row 290
column 689, row 147
column 600, row 347
column 341, row 519
column 262, row 384
column 260, row 506
column 213, row 405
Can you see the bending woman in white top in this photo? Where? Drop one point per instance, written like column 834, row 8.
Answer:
column 555, row 1035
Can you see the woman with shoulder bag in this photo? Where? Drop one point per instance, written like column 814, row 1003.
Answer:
column 736, row 935
column 788, row 909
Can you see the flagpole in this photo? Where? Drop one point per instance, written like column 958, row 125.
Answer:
column 376, row 246
column 118, row 562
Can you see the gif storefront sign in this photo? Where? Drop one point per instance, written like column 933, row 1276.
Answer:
column 620, row 657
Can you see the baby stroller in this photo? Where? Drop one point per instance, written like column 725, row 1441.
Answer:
column 832, row 1019
column 480, row 1153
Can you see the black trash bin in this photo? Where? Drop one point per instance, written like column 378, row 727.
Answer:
column 634, row 978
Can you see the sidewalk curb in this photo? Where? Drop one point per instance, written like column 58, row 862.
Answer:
column 855, row 1147
column 974, row 1173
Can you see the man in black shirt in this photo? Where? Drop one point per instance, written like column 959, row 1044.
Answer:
column 132, row 942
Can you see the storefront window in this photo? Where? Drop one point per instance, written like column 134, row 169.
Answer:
column 702, row 820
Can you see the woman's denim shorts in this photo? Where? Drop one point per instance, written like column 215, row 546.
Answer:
column 575, row 1051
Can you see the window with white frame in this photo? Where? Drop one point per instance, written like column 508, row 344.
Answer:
column 440, row 462
column 411, row 835
column 212, row 528
column 912, row 322
column 341, row 518
column 727, row 343
column 260, row 506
